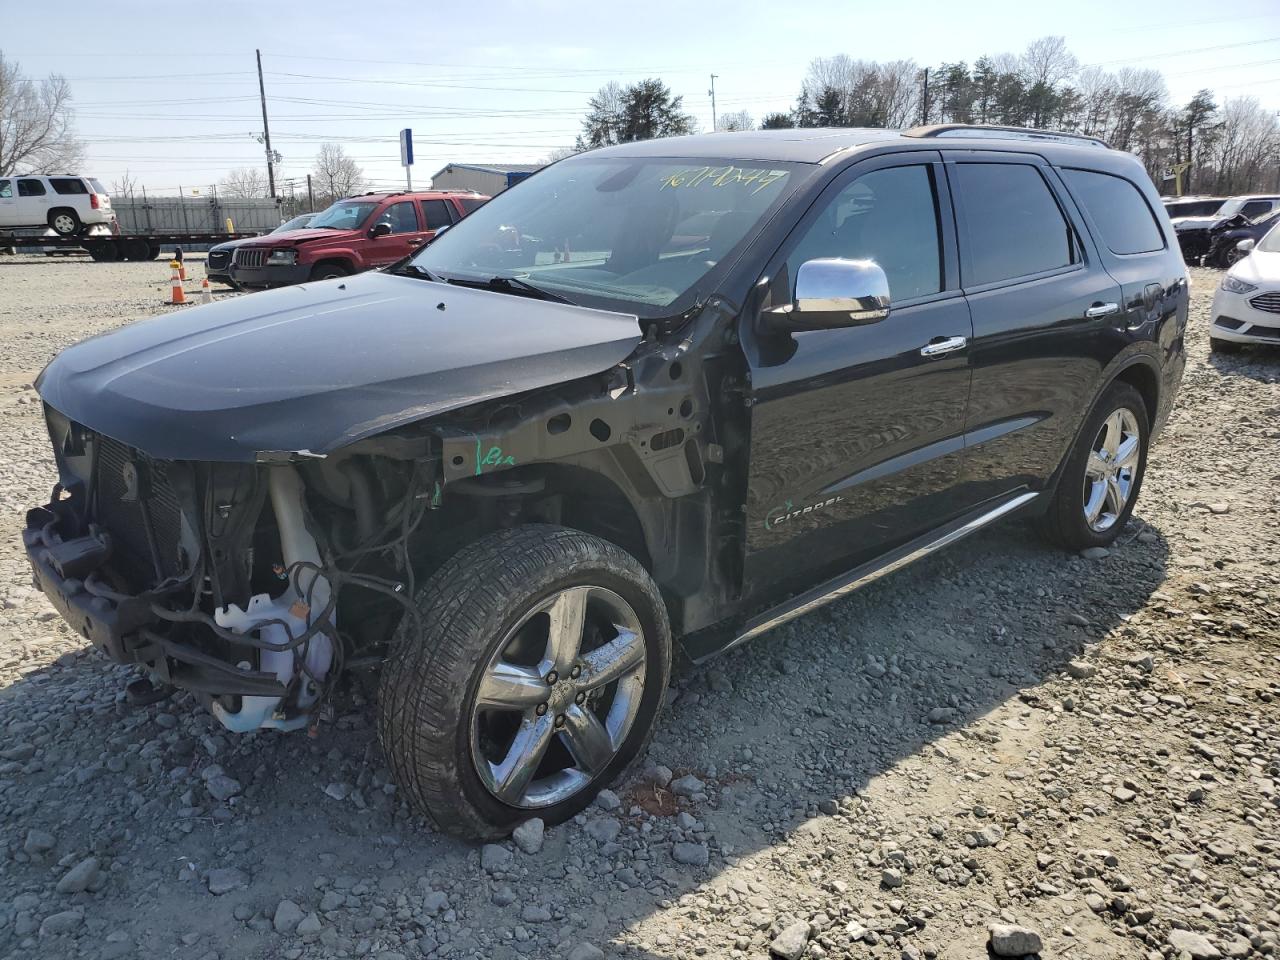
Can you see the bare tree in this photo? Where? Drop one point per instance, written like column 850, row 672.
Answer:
column 336, row 175
column 735, row 121
column 37, row 129
column 1047, row 61
column 560, row 153
column 125, row 185
column 244, row 183
column 1247, row 147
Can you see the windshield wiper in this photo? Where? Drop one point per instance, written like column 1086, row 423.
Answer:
column 512, row 285
column 413, row 270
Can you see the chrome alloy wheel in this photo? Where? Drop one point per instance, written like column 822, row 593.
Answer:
column 64, row 224
column 558, row 697
column 1111, row 470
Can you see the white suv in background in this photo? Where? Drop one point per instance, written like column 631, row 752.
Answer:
column 67, row 203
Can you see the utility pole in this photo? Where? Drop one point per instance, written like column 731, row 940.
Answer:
column 712, row 93
column 311, row 197
column 924, row 101
column 266, row 130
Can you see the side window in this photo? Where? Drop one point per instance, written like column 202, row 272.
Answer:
column 437, row 213
column 1256, row 208
column 30, row 188
column 1123, row 217
column 401, row 216
column 1014, row 226
column 6, row 189
column 469, row 204
column 67, row 185
column 889, row 216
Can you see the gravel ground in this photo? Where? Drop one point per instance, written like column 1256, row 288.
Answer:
column 1005, row 744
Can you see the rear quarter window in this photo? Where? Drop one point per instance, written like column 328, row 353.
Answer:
column 1118, row 209
column 469, row 204
column 68, row 185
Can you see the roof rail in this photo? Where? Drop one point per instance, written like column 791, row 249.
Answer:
column 980, row 130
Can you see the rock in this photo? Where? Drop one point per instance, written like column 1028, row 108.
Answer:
column 1194, row 944
column 38, row 842
column 535, row 913
column 942, row 714
column 338, row 791
column 494, row 857
column 691, row 854
column 225, row 879
column 828, row 807
column 603, row 829
column 166, row 721
column 891, row 878
column 1081, row 669
column 658, row 775
column 719, row 681
column 875, row 670
column 1078, row 620
column 19, row 752
column 1124, row 794
column 529, row 836
column 1095, row 553
column 1008, row 940
column 586, row 951
column 503, row 897
column 63, row 922
column 1219, row 508
column 1143, row 661
column 607, row 800
column 790, row 943
column 80, row 877
column 223, row 787
column 287, row 917
column 688, row 786
column 434, row 902
column 331, row 900
column 309, row 925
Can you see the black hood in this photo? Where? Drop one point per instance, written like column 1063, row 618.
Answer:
column 317, row 366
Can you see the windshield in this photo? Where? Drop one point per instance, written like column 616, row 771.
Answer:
column 1271, row 242
column 620, row 233
column 297, row 223
column 1193, row 208
column 345, row 215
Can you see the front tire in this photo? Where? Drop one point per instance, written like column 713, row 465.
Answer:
column 329, row 271
column 534, row 680
column 1103, row 473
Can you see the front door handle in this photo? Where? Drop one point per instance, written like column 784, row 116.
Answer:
column 1101, row 310
column 940, row 345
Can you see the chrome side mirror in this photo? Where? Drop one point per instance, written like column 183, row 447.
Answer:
column 380, row 229
column 1246, row 245
column 835, row 293
column 440, row 230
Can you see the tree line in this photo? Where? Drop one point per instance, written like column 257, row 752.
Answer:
column 1226, row 147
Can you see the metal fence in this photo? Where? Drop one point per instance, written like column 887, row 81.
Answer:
column 142, row 214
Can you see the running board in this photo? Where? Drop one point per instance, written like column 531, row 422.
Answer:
column 873, row 570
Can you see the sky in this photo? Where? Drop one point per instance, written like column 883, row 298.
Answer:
column 172, row 97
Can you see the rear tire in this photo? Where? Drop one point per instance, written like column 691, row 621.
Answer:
column 1224, row 346
column 329, row 271
column 65, row 222
column 1102, row 476
column 494, row 619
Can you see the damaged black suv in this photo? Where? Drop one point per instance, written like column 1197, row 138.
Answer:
column 683, row 389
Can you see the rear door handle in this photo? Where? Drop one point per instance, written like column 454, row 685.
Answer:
column 1101, row 310
column 941, row 345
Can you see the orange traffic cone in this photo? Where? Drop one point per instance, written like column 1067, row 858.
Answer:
column 176, row 294
column 206, row 295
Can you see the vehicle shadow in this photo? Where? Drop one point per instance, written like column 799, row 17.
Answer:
column 778, row 731
column 1255, row 361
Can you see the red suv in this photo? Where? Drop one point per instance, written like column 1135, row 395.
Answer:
column 359, row 233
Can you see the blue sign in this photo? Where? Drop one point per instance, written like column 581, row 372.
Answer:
column 406, row 147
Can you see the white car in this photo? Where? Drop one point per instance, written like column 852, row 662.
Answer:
column 69, row 204
column 1246, row 308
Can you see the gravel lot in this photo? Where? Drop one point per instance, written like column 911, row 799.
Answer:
column 1004, row 734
